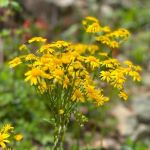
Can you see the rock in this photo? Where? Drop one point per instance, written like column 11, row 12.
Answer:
column 141, row 133
column 62, row 3
column 112, row 2
column 106, row 10
column 127, row 121
column 124, row 3
column 141, row 106
column 146, row 78
column 41, row 6
column 110, row 143
column 48, row 10
column 107, row 143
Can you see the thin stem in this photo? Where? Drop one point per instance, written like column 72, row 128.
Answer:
column 59, row 138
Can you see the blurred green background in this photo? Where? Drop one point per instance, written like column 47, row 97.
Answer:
column 116, row 126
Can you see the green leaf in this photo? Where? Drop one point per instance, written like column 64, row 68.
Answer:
column 5, row 32
column 5, row 99
column 4, row 3
column 16, row 6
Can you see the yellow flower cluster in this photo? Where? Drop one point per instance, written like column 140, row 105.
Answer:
column 116, row 74
column 91, row 24
column 66, row 71
column 62, row 66
column 6, row 133
column 105, row 35
column 85, row 48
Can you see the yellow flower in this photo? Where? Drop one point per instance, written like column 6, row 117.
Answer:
column 105, row 75
column 46, row 48
column 30, row 57
column 65, row 82
column 113, row 39
column 18, row 137
column 110, row 63
column 84, row 22
column 92, row 19
column 6, row 128
column 45, row 60
column 106, row 40
column 15, row 62
column 22, row 47
column 100, row 100
column 37, row 39
column 123, row 95
column 5, row 135
column 106, row 29
column 93, row 28
column 96, row 95
column 94, row 62
column 92, row 48
column 79, row 48
column 137, row 68
column 103, row 39
column 42, row 87
column 60, row 44
column 33, row 75
column 128, row 63
column 78, row 96
column 135, row 75
column 120, row 33
column 4, row 139
column 77, row 65
column 58, row 73
column 118, row 78
column 114, row 44
column 61, row 111
column 90, row 91
column 65, row 60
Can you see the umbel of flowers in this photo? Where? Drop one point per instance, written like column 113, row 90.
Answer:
column 7, row 135
column 72, row 73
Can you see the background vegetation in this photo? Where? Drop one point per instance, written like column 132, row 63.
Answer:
column 54, row 19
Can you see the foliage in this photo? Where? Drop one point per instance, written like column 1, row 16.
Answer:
column 130, row 145
column 14, row 98
column 10, row 3
column 17, row 26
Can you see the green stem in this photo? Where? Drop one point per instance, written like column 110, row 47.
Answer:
column 59, row 138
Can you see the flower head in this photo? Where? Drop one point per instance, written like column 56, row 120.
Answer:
column 123, row 95
column 15, row 62
column 18, row 137
column 4, row 139
column 37, row 39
